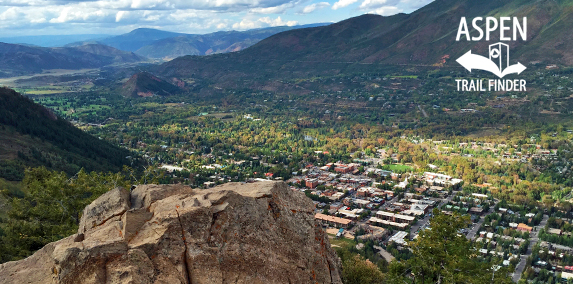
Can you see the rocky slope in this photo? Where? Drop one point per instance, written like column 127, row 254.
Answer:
column 235, row 233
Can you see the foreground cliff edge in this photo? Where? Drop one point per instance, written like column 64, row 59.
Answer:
column 235, row 233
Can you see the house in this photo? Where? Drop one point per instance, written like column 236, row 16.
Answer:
column 554, row 231
column 476, row 210
column 524, row 228
column 479, row 195
column 332, row 220
column 530, row 215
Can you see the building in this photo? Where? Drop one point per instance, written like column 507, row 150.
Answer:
column 524, row 228
column 399, row 238
column 479, row 195
column 311, row 183
column 566, row 275
column 378, row 221
column 336, row 205
column 360, row 202
column 343, row 169
column 351, row 214
column 332, row 220
column 395, row 217
column 418, row 209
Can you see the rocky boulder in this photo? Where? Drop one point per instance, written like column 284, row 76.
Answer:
column 260, row 232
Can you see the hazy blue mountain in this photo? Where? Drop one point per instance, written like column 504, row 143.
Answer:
column 18, row 60
column 218, row 42
column 51, row 40
column 133, row 40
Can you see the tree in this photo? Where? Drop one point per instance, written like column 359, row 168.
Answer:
column 50, row 208
column 442, row 255
column 357, row 270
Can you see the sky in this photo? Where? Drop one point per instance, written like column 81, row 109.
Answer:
column 62, row 17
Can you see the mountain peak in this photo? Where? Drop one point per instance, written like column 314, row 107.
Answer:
column 258, row 232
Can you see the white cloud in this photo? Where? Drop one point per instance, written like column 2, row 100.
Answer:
column 342, row 4
column 313, row 7
column 246, row 23
column 369, row 4
column 386, row 11
column 120, row 15
column 277, row 22
column 275, row 9
column 69, row 14
column 28, row 17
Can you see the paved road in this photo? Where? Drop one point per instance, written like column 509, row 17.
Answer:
column 386, row 255
column 423, row 111
column 533, row 238
column 472, row 233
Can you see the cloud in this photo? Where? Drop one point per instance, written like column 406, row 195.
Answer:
column 119, row 15
column 28, row 17
column 369, row 4
column 313, row 7
column 386, row 11
column 275, row 9
column 69, row 14
column 342, row 4
column 277, row 22
column 246, row 24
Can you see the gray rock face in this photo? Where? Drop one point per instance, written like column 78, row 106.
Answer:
column 235, row 233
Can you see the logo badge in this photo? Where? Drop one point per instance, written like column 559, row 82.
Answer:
column 497, row 63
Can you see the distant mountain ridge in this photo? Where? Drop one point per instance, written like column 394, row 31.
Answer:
column 51, row 40
column 16, row 60
column 425, row 37
column 218, row 42
column 152, row 43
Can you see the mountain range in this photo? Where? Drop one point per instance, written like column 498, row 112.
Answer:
column 16, row 60
column 426, row 37
column 152, row 43
column 135, row 46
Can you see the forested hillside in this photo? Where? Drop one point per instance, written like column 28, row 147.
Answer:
column 31, row 135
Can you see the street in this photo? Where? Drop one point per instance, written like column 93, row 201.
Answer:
column 532, row 241
column 473, row 232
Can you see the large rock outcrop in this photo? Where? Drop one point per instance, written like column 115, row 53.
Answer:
column 235, row 233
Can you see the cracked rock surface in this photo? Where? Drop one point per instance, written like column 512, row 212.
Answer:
column 259, row 232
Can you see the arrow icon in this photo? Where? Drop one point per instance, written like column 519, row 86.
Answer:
column 474, row 61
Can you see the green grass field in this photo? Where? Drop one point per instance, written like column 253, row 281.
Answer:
column 341, row 242
column 396, row 167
